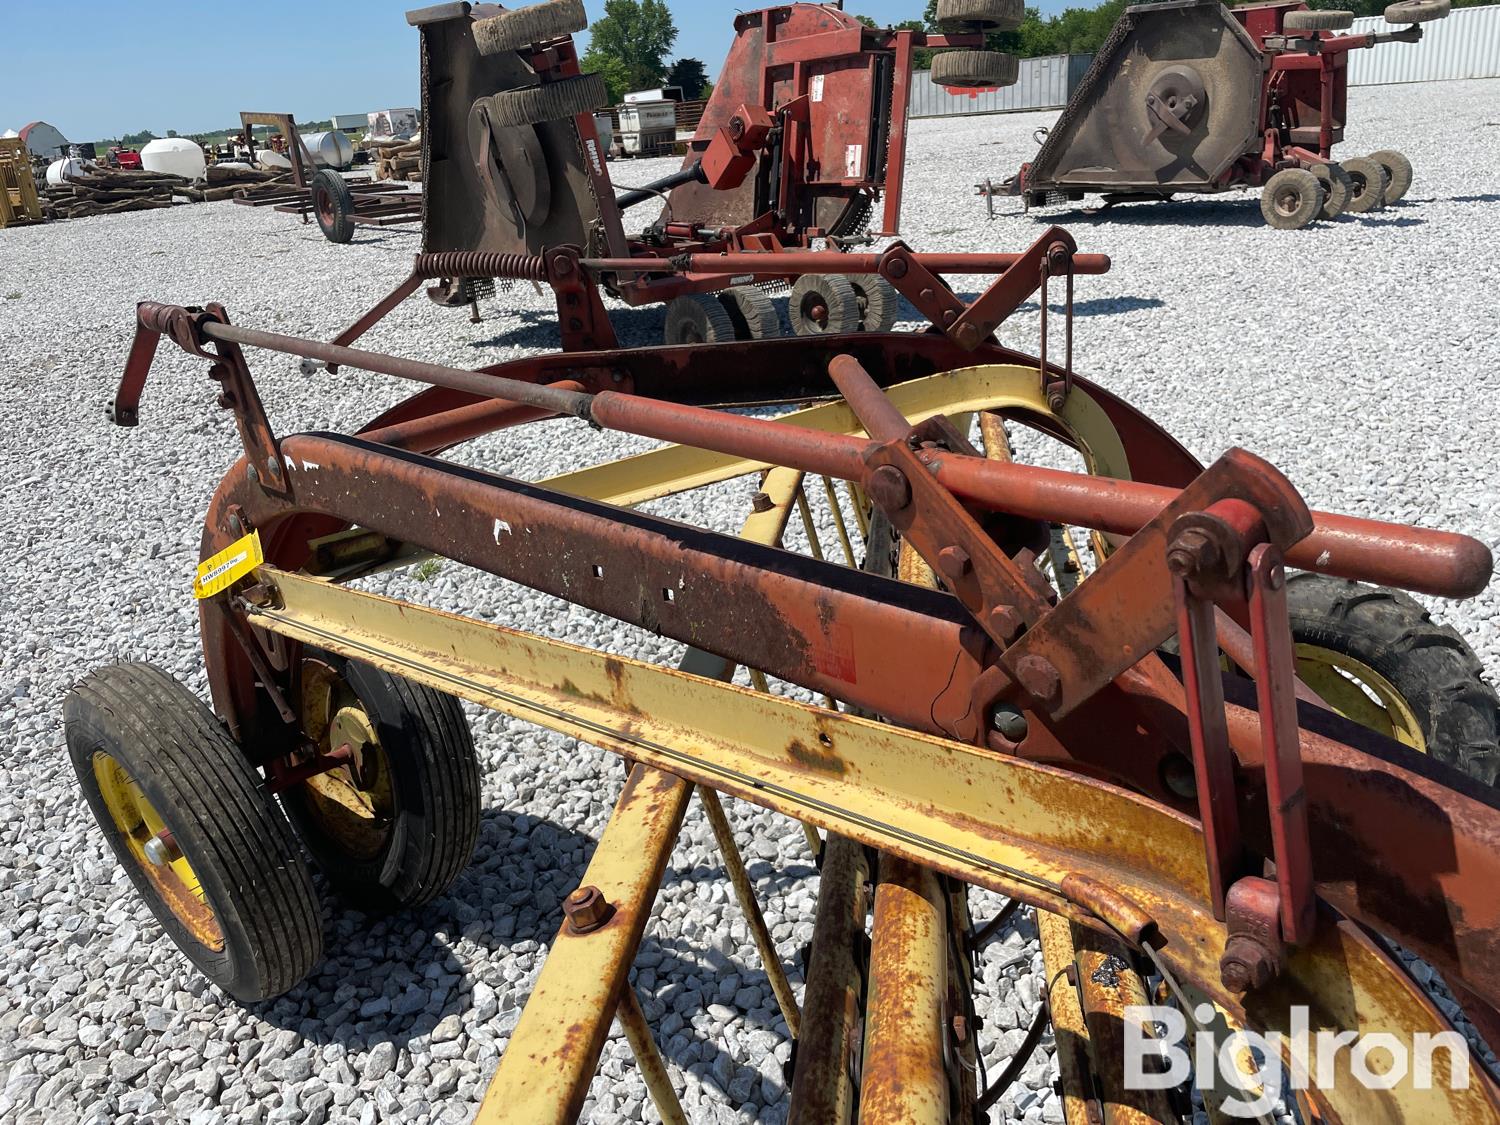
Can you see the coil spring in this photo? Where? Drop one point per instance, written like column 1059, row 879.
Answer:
column 478, row 263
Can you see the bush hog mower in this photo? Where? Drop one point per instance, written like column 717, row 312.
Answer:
column 804, row 132
column 1230, row 769
column 1190, row 96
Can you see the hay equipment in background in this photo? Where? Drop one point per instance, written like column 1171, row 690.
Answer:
column 1189, row 96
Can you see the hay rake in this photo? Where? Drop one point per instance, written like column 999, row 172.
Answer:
column 1192, row 825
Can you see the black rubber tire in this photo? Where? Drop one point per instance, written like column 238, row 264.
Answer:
column 1418, row 11
column 752, row 313
column 333, row 205
column 879, row 303
column 435, row 790
column 554, row 101
column 1291, row 199
column 1398, row 173
column 1337, row 187
column 1369, row 185
column 1430, row 665
column 539, row 23
column 971, row 70
column 698, row 318
column 221, row 815
column 981, row 15
column 832, row 292
column 1328, row 19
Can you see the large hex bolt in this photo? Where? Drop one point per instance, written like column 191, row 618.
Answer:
column 1041, row 680
column 955, row 563
column 586, row 910
column 1192, row 553
column 1246, row 964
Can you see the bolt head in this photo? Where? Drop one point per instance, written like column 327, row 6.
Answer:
column 586, row 910
column 761, row 502
column 889, row 488
column 1192, row 553
column 1245, row 965
column 1040, row 679
column 1005, row 622
column 898, row 268
column 954, row 562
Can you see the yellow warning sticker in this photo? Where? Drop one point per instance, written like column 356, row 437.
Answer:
column 217, row 574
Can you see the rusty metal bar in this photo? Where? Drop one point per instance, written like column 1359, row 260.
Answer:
column 744, row 890
column 1107, row 985
column 543, row 1076
column 823, row 1091
column 453, row 427
column 648, row 1057
column 904, row 1079
column 1070, row 1032
column 1435, row 562
column 795, row 263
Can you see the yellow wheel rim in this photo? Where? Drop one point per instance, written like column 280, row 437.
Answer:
column 355, row 807
column 138, row 822
column 1360, row 694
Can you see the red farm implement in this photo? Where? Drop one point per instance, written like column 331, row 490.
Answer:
column 1190, row 96
column 1108, row 695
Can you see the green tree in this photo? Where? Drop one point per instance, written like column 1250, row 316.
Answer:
column 629, row 45
column 130, row 140
column 691, row 75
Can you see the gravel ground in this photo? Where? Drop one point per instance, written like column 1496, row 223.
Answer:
column 1359, row 356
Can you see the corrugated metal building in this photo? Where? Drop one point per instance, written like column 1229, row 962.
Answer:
column 1044, row 83
column 1465, row 45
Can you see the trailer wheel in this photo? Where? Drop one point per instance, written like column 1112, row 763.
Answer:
column 752, row 313
column 1337, row 187
column 1329, row 19
column 975, row 69
column 553, row 101
column 698, row 318
column 824, row 304
column 1291, row 199
column 333, row 204
column 396, row 827
column 1397, row 173
column 981, row 15
column 1369, row 185
column 195, row 829
column 879, row 303
column 1418, row 11
column 539, row 23
column 1376, row 657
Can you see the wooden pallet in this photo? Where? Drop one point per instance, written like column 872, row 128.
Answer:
column 18, row 198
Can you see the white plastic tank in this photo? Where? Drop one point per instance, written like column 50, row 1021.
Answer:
column 176, row 156
column 331, row 150
column 8, row 134
column 59, row 170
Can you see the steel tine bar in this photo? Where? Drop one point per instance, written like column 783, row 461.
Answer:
column 813, row 543
column 838, row 520
column 861, row 506
column 648, row 1056
column 744, row 890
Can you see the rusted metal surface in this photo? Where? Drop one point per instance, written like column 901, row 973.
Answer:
column 1070, row 1034
column 905, row 1081
column 824, row 1079
column 1107, row 984
column 544, row 1074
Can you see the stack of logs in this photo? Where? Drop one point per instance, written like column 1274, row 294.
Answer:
column 397, row 160
column 108, row 191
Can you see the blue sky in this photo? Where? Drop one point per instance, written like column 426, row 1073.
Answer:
column 98, row 69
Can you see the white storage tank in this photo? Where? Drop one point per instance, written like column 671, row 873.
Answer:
column 331, row 149
column 59, row 170
column 176, row 156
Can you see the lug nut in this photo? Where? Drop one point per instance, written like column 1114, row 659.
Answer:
column 586, row 910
